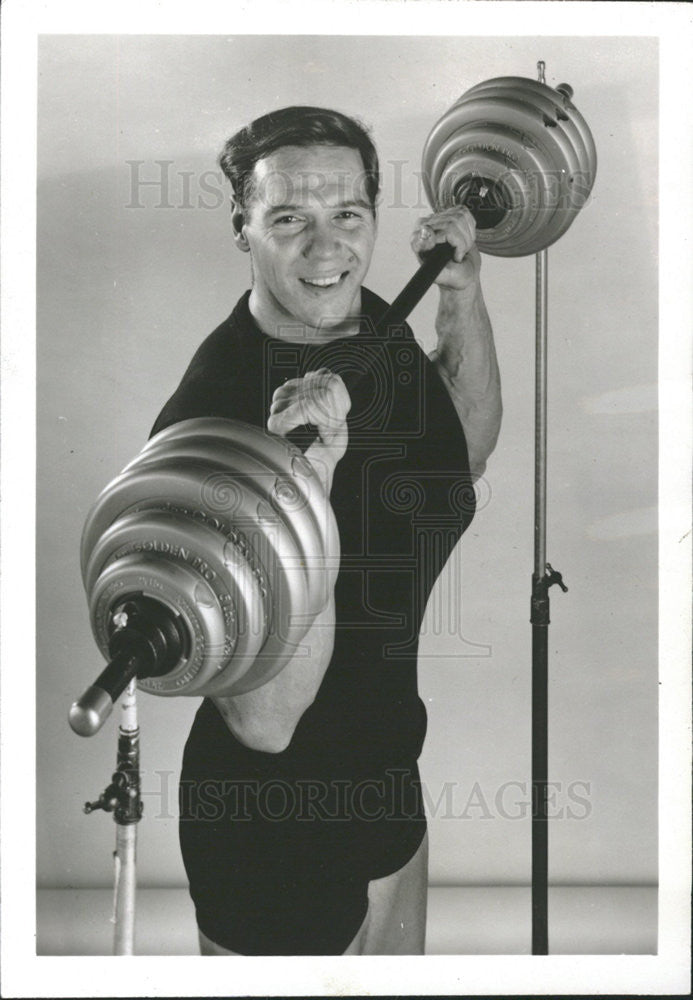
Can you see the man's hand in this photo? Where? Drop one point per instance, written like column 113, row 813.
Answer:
column 318, row 398
column 457, row 227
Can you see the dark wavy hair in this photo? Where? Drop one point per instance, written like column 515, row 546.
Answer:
column 295, row 126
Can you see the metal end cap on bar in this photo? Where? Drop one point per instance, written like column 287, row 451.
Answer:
column 88, row 714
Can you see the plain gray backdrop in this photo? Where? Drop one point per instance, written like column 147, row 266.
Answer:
column 126, row 293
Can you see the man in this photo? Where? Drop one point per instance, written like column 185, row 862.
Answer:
column 302, row 822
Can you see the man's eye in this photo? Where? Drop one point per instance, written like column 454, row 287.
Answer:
column 351, row 220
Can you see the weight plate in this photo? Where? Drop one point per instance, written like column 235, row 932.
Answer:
column 538, row 134
column 298, row 499
column 265, row 540
column 173, row 585
column 218, row 566
column 527, row 87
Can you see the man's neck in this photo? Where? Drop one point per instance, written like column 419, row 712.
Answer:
column 293, row 331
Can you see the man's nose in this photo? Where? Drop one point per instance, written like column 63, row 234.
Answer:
column 323, row 241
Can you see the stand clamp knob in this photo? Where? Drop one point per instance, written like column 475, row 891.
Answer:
column 120, row 795
column 553, row 576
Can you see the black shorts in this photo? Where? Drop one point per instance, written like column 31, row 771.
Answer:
column 279, row 861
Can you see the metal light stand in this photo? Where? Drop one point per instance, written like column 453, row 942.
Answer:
column 543, row 577
column 122, row 798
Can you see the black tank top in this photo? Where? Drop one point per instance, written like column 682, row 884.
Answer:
column 402, row 496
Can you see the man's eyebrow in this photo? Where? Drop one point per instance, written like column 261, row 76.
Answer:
column 272, row 209
column 348, row 203
column 356, row 202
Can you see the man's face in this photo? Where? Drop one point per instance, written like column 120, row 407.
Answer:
column 311, row 232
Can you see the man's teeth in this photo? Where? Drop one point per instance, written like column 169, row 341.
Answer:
column 322, row 282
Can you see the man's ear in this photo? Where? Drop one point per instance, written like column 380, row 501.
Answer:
column 238, row 223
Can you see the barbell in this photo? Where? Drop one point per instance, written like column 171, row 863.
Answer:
column 204, row 562
column 208, row 558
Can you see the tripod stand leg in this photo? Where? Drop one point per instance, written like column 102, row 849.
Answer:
column 127, row 815
column 125, row 886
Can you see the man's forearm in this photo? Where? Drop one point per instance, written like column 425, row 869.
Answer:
column 467, row 363
column 265, row 719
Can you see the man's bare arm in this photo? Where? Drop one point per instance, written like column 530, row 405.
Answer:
column 465, row 355
column 265, row 719
column 467, row 363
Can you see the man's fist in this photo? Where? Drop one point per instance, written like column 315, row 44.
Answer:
column 457, row 227
column 318, row 398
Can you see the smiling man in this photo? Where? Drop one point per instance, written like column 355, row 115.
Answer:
column 311, row 234
column 302, row 824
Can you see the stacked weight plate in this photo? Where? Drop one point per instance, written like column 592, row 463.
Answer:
column 227, row 526
column 519, row 151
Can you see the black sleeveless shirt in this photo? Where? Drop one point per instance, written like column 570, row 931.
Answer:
column 402, row 496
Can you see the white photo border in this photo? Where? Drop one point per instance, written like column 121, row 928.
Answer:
column 25, row 974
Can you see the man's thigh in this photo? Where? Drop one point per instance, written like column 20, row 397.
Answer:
column 395, row 923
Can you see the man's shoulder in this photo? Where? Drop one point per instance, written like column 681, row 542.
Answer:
column 217, row 382
column 216, row 354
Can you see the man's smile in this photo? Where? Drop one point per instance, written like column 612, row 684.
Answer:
column 324, row 282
